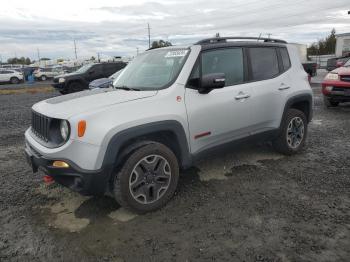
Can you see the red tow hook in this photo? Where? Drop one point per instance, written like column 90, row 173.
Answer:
column 48, row 179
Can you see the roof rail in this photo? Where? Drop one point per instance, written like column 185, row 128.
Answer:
column 224, row 39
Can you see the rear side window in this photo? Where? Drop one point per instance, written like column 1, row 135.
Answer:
column 264, row 63
column 285, row 58
column 227, row 61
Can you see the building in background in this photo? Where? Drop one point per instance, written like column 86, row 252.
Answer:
column 342, row 47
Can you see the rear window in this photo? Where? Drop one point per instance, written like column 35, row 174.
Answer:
column 264, row 63
column 285, row 58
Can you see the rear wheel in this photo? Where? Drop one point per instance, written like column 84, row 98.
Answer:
column 14, row 80
column 329, row 103
column 292, row 133
column 148, row 179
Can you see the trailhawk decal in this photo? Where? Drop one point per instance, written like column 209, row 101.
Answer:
column 176, row 53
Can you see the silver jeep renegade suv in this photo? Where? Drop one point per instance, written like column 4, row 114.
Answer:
column 169, row 107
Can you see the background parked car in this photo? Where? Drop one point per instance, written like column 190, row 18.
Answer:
column 10, row 76
column 104, row 82
column 334, row 63
column 46, row 73
column 336, row 86
column 80, row 79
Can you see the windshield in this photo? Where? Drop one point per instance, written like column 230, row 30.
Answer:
column 347, row 63
column 116, row 74
column 84, row 68
column 152, row 70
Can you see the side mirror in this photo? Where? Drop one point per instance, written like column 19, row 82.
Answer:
column 91, row 72
column 212, row 81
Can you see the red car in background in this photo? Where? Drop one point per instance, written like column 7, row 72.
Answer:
column 336, row 86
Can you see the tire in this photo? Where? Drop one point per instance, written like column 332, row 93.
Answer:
column 63, row 92
column 291, row 140
column 329, row 103
column 132, row 181
column 43, row 78
column 14, row 80
column 75, row 87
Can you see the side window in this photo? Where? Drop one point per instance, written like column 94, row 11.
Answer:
column 228, row 61
column 264, row 63
column 285, row 58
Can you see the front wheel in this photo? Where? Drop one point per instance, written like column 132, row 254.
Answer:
column 148, row 179
column 292, row 134
column 329, row 103
column 14, row 80
column 43, row 78
column 75, row 87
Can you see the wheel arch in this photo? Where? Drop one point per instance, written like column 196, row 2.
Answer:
column 302, row 102
column 168, row 132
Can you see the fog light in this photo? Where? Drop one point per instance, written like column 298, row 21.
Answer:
column 329, row 88
column 60, row 164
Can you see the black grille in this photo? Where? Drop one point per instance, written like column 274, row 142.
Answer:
column 339, row 89
column 40, row 126
column 345, row 78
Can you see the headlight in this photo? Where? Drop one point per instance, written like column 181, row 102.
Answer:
column 64, row 128
column 61, row 80
column 332, row 76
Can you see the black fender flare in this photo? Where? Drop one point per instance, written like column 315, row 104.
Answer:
column 120, row 139
column 307, row 97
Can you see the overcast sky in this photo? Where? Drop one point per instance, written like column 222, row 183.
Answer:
column 118, row 27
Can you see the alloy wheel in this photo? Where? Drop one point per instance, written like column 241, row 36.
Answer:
column 295, row 132
column 150, row 179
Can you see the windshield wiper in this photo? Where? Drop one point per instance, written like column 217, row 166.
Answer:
column 127, row 88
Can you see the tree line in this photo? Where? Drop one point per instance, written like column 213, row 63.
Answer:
column 324, row 46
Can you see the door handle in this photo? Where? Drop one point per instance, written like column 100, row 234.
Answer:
column 283, row 87
column 242, row 96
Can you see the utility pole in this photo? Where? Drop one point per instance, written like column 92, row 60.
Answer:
column 38, row 54
column 269, row 35
column 149, row 35
column 137, row 51
column 75, row 50
column 98, row 57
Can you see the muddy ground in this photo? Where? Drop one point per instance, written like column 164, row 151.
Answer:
column 250, row 205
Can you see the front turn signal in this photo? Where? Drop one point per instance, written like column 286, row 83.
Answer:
column 60, row 164
column 81, row 128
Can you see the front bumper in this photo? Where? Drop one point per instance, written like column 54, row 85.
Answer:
column 340, row 92
column 85, row 182
column 59, row 86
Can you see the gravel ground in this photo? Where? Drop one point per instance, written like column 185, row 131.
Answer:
column 250, row 205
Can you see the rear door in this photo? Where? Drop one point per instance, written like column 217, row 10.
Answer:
column 268, row 84
column 223, row 114
column 2, row 77
column 95, row 72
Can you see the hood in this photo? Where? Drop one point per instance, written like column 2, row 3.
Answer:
column 69, row 105
column 342, row 71
column 99, row 82
column 68, row 75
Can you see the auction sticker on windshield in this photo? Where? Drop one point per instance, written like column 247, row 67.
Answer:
column 177, row 53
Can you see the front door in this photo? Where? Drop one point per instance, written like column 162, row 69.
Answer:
column 223, row 114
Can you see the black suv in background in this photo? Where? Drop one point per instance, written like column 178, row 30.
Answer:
column 80, row 79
